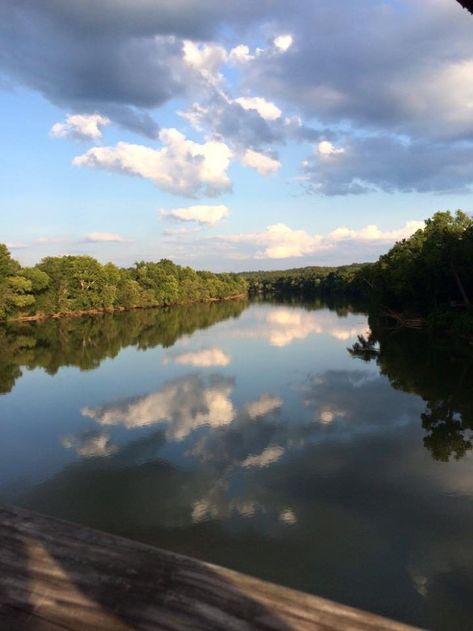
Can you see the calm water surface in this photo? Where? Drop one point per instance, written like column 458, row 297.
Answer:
column 248, row 435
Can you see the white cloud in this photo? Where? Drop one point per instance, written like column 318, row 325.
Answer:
column 266, row 404
column 326, row 148
column 203, row 214
column 240, row 55
column 288, row 517
column 102, row 237
column 206, row 59
column 328, row 413
column 265, row 109
column 264, row 165
column 90, row 445
column 80, row 127
column 269, row 456
column 282, row 326
column 373, row 233
column 16, row 245
column 203, row 359
column 182, row 167
column 279, row 241
column 184, row 405
column 283, row 42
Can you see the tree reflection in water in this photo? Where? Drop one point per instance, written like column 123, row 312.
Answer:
column 438, row 370
column 85, row 342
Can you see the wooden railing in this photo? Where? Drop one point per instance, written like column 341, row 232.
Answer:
column 55, row 575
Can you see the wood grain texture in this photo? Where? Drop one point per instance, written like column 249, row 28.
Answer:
column 55, row 575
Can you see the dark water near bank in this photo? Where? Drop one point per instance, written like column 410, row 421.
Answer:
column 249, row 436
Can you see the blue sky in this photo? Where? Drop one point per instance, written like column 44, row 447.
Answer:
column 234, row 135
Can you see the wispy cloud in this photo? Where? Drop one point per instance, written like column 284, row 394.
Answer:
column 203, row 214
column 205, row 358
column 104, row 237
column 81, row 127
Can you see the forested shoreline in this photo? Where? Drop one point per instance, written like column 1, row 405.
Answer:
column 423, row 281
column 80, row 285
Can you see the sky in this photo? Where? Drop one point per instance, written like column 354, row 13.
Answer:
column 231, row 135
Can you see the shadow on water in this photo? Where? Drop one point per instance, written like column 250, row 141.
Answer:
column 439, row 370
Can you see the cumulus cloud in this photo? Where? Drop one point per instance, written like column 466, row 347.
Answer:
column 205, row 58
column 104, row 237
column 182, row 167
column 203, row 214
column 240, row 54
column 389, row 164
column 222, row 116
column 399, row 85
column 183, row 405
column 267, row 457
column 373, row 233
column 204, row 358
column 338, row 398
column 401, row 80
column 279, row 241
column 285, row 325
column 122, row 60
column 282, row 326
column 283, row 42
column 91, row 444
column 265, row 109
column 266, row 404
column 288, row 517
column 326, row 148
column 80, row 127
column 264, row 165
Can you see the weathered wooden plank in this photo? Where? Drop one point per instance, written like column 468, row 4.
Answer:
column 56, row 575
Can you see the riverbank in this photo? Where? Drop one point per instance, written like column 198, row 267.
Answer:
column 38, row 317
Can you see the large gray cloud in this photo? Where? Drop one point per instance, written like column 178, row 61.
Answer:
column 403, row 66
column 390, row 164
column 120, row 57
column 398, row 70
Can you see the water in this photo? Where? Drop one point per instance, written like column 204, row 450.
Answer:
column 248, row 435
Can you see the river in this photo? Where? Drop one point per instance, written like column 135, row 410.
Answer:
column 247, row 434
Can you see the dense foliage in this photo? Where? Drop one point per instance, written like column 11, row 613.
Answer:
column 70, row 284
column 307, row 281
column 428, row 276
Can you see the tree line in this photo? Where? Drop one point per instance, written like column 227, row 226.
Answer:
column 425, row 279
column 77, row 284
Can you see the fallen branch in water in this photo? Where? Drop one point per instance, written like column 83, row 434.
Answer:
column 403, row 320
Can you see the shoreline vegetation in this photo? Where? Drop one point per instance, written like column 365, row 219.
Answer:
column 425, row 281
column 74, row 286
column 39, row 317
